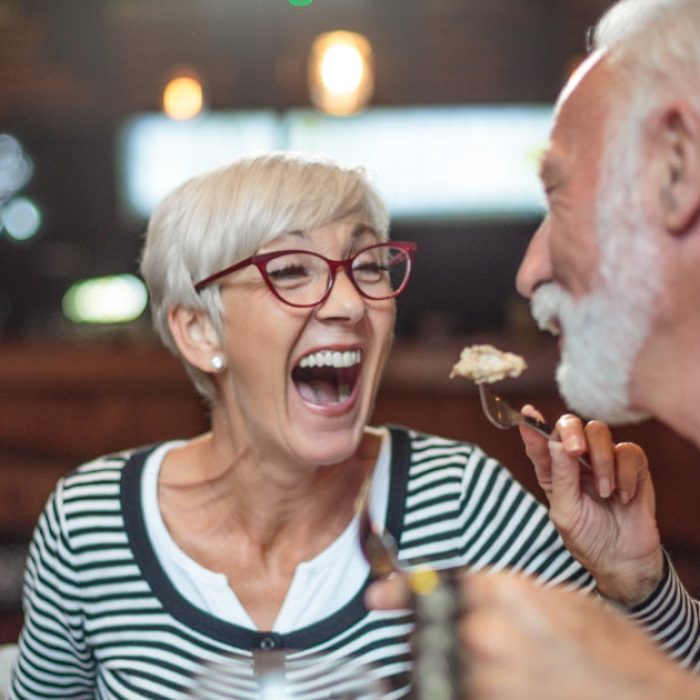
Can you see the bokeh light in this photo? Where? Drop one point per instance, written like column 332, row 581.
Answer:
column 341, row 69
column 341, row 72
column 183, row 96
column 104, row 300
column 15, row 166
column 20, row 218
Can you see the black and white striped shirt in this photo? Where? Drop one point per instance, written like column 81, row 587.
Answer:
column 102, row 620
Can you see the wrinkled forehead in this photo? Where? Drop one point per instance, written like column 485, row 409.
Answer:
column 583, row 111
column 582, row 72
column 588, row 98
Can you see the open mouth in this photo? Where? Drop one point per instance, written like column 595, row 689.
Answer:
column 327, row 377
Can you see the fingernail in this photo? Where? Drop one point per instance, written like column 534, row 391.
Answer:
column 575, row 444
column 624, row 497
column 604, row 487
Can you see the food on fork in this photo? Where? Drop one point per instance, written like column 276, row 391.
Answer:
column 484, row 363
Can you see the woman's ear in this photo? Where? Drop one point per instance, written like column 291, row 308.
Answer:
column 196, row 338
column 677, row 151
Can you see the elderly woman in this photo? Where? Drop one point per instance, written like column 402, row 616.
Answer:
column 274, row 280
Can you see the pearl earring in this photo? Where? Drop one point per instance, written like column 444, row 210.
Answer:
column 217, row 362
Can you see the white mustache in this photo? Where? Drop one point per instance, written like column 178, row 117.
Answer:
column 545, row 306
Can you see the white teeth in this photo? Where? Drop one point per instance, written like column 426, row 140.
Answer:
column 331, row 358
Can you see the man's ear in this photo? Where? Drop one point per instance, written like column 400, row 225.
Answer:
column 194, row 335
column 678, row 154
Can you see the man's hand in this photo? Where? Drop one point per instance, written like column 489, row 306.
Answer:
column 607, row 518
column 525, row 642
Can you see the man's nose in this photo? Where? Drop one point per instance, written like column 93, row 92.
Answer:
column 536, row 266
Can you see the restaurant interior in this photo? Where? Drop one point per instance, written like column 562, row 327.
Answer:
column 454, row 99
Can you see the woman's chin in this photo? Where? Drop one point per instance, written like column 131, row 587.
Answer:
column 326, row 445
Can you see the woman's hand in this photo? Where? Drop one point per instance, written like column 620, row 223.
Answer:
column 607, row 518
column 526, row 642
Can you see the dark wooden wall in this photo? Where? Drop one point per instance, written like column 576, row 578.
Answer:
column 95, row 61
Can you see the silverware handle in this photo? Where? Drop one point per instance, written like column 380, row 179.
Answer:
column 540, row 426
column 544, row 429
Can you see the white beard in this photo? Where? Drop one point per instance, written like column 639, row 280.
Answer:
column 604, row 331
column 600, row 345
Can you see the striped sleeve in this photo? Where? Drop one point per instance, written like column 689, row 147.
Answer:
column 54, row 659
column 672, row 617
column 465, row 509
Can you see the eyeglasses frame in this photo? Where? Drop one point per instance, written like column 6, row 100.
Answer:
column 260, row 261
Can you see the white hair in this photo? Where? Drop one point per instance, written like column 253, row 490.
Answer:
column 226, row 215
column 605, row 330
column 656, row 43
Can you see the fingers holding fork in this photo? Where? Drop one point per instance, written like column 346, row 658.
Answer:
column 615, row 469
column 606, row 520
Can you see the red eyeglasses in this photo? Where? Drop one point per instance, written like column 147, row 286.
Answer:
column 302, row 278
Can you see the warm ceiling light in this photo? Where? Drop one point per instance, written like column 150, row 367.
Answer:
column 341, row 72
column 183, row 96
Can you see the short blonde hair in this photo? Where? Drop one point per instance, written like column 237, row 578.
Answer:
column 226, row 215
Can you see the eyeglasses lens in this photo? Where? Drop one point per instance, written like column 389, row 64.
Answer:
column 379, row 272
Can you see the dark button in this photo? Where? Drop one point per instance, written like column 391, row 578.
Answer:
column 270, row 642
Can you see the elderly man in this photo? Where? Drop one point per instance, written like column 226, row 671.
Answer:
column 615, row 269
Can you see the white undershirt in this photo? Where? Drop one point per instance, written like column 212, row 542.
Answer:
column 319, row 587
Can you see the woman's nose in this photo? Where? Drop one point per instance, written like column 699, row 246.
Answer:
column 344, row 301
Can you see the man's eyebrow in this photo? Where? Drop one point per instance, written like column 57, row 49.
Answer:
column 548, row 169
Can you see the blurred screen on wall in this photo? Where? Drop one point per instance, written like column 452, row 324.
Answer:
column 430, row 163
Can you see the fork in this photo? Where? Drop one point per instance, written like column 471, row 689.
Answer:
column 377, row 544
column 504, row 416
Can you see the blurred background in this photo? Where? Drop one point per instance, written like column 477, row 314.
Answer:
column 105, row 105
